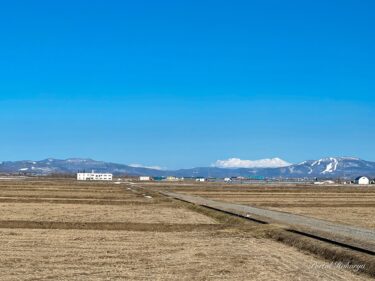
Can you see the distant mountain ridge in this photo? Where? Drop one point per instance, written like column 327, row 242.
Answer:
column 71, row 165
column 332, row 167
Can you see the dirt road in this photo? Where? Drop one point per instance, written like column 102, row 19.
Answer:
column 353, row 236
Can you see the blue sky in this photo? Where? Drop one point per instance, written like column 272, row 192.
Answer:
column 185, row 83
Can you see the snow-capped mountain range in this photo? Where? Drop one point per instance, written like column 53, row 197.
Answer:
column 262, row 163
column 333, row 167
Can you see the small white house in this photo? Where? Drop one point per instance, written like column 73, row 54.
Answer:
column 144, row 178
column 94, row 176
column 362, row 180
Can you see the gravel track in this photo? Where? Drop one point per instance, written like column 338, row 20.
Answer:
column 350, row 235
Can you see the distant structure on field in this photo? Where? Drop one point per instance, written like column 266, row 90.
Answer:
column 94, row 176
column 324, row 182
column 200, row 179
column 362, row 180
column 170, row 178
column 144, row 178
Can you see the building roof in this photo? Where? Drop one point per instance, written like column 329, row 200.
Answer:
column 360, row 178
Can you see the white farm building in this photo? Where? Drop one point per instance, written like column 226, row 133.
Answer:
column 94, row 176
column 362, row 180
column 200, row 179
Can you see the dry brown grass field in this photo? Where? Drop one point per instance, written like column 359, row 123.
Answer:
column 66, row 230
column 352, row 205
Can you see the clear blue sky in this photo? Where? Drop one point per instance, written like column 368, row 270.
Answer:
column 184, row 83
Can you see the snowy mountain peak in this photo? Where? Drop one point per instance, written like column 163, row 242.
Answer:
column 78, row 160
column 339, row 159
column 330, row 167
column 262, row 163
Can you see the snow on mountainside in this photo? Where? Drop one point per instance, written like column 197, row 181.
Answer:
column 336, row 166
column 332, row 167
column 70, row 166
column 262, row 163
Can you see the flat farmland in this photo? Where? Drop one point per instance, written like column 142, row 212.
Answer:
column 100, row 213
column 351, row 205
column 66, row 230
